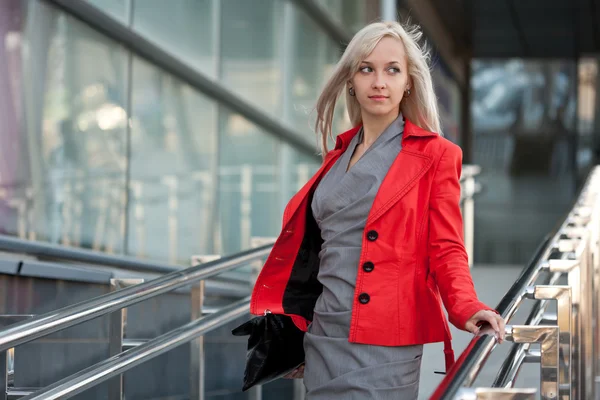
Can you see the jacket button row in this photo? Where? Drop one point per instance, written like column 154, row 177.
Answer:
column 368, row 266
column 364, row 298
column 372, row 236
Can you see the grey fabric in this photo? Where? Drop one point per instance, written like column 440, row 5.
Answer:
column 336, row 368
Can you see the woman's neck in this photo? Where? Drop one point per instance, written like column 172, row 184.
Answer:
column 373, row 126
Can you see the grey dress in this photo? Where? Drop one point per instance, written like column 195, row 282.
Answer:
column 336, row 368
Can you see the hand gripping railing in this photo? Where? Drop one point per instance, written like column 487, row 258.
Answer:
column 58, row 320
column 570, row 342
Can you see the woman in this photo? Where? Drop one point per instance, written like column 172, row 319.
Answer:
column 374, row 238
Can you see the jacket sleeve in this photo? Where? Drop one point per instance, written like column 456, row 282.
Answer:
column 448, row 261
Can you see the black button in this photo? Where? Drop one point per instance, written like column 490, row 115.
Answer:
column 368, row 266
column 364, row 298
column 372, row 235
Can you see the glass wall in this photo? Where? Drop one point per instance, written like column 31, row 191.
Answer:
column 185, row 28
column 102, row 149
column 348, row 13
column 525, row 128
column 64, row 143
column 172, row 166
column 251, row 51
column 449, row 101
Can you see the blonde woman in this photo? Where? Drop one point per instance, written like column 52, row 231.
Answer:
column 372, row 245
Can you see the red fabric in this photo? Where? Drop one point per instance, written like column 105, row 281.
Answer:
column 419, row 256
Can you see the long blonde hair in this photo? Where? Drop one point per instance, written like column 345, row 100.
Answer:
column 420, row 107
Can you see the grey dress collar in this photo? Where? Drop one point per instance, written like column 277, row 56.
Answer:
column 396, row 128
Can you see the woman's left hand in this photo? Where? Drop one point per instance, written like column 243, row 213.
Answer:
column 496, row 322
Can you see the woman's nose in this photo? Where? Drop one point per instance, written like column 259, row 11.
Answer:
column 379, row 82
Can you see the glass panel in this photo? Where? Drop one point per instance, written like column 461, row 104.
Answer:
column 333, row 9
column 297, row 169
column 249, row 191
column 173, row 152
column 63, row 155
column 448, row 94
column 314, row 56
column 115, row 8
column 350, row 14
column 251, row 35
column 523, row 115
column 183, row 27
column 587, row 118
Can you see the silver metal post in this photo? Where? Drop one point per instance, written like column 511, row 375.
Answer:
column 585, row 326
column 104, row 370
column 198, row 354
column 7, row 358
column 594, row 227
column 562, row 294
column 468, row 209
column 57, row 320
column 117, row 329
column 548, row 337
column 388, row 10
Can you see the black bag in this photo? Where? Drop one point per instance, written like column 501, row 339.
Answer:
column 275, row 348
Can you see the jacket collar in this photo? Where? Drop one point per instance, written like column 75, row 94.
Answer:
column 410, row 129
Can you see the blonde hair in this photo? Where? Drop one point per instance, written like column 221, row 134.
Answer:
column 420, row 107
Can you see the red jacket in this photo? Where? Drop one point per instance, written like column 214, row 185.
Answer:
column 412, row 251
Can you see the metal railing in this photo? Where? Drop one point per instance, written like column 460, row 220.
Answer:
column 129, row 293
column 42, row 325
column 569, row 340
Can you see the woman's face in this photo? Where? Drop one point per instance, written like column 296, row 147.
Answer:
column 382, row 79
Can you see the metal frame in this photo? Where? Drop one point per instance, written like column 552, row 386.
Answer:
column 468, row 190
column 117, row 334
column 114, row 366
column 53, row 252
column 158, row 56
column 197, row 356
column 325, row 21
column 124, row 294
column 572, row 250
column 55, row 321
column 7, row 362
column 548, row 337
column 564, row 320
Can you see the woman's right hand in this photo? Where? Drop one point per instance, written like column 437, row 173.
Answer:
column 298, row 373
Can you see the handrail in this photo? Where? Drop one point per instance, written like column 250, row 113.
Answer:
column 471, row 361
column 120, row 363
column 480, row 347
column 57, row 320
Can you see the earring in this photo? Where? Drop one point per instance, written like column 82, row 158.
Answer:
column 351, row 92
column 407, row 92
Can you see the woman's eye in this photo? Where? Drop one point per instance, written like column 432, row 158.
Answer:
column 394, row 70
column 366, row 69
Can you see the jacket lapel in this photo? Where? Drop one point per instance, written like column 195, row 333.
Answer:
column 309, row 187
column 406, row 170
column 409, row 166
